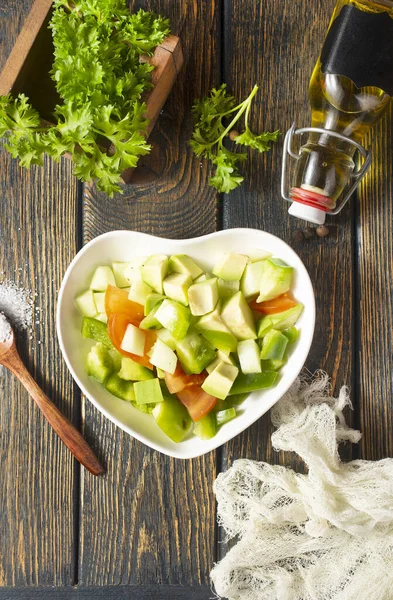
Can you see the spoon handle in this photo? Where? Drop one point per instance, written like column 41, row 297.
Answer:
column 66, row 431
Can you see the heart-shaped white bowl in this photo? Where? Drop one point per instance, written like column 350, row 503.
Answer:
column 123, row 246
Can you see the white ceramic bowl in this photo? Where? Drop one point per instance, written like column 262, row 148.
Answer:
column 124, row 245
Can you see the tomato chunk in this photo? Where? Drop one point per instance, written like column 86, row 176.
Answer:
column 197, row 402
column 117, row 325
column 271, row 307
column 180, row 380
column 116, row 301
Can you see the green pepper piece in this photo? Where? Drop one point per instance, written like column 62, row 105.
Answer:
column 132, row 371
column 292, row 334
column 224, row 416
column 151, row 301
column 195, row 353
column 245, row 384
column 93, row 329
column 274, row 345
column 99, row 363
column 206, row 428
column 172, row 417
column 150, row 322
column 145, row 408
column 120, row 388
column 273, row 365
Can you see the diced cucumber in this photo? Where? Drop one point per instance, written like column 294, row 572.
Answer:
column 227, row 289
column 154, row 271
column 120, row 388
column 249, row 356
column 93, row 329
column 251, row 281
column 194, row 353
column 238, row 317
column 163, row 357
column 103, row 276
column 165, row 336
column 203, row 277
column 99, row 300
column 86, row 304
column 224, row 416
column 102, row 317
column 99, row 363
column 220, row 381
column 172, row 417
column 151, row 301
column 139, row 292
column 230, row 266
column 292, row 334
column 280, row 321
column 175, row 317
column 274, row 345
column 181, row 263
column 134, row 270
column 258, row 255
column 119, row 271
column 150, row 322
column 220, row 357
column 176, row 287
column 206, row 428
column 273, row 365
column 203, row 297
column 276, row 279
column 148, row 392
column 216, row 332
column 245, row 384
column 134, row 340
column 132, row 371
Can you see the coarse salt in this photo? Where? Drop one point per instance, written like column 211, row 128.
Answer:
column 5, row 328
column 16, row 304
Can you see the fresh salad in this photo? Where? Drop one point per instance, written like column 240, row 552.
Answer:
column 187, row 346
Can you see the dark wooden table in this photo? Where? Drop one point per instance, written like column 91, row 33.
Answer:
column 150, row 523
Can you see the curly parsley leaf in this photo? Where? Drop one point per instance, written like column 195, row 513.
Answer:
column 215, row 117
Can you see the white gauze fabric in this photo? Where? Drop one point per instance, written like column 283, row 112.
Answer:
column 327, row 535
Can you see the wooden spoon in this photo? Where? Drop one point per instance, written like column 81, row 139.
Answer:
column 66, row 431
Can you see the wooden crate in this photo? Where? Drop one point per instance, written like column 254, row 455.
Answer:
column 28, row 66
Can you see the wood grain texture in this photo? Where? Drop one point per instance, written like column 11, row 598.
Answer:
column 278, row 53
column 145, row 592
column 374, row 304
column 152, row 519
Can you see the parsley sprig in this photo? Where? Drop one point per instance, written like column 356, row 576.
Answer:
column 100, row 80
column 216, row 116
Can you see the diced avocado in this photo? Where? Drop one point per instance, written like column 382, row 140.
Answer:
column 251, row 281
column 274, row 345
column 102, row 317
column 203, row 297
column 132, row 371
column 154, row 271
column 139, row 292
column 245, row 384
column 163, row 357
column 99, row 362
column 292, row 334
column 134, row 340
column 258, row 255
column 103, row 276
column 227, row 289
column 216, row 332
column 230, row 266
column 172, row 417
column 248, row 352
column 176, row 287
column 224, row 416
column 238, row 317
column 119, row 271
column 206, row 428
column 280, row 321
column 93, row 329
column 195, row 353
column 165, row 336
column 148, row 392
column 220, row 357
column 120, row 388
column 276, row 279
column 181, row 263
column 220, row 381
column 86, row 304
column 203, row 277
column 99, row 299
column 151, row 301
column 273, row 365
column 175, row 317
column 150, row 322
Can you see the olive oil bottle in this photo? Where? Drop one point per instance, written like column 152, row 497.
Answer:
column 350, row 89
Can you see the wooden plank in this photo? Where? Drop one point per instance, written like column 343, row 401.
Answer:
column 147, row 592
column 38, row 473
column 374, row 307
column 152, row 519
column 279, row 52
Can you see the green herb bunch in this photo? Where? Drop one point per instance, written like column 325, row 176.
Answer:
column 216, row 116
column 100, row 79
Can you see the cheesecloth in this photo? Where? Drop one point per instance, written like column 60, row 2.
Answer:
column 327, row 535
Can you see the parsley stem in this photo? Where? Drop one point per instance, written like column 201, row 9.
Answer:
column 245, row 105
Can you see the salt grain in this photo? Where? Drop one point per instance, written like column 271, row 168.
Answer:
column 16, row 304
column 5, row 328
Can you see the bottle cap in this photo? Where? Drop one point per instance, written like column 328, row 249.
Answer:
column 307, row 213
